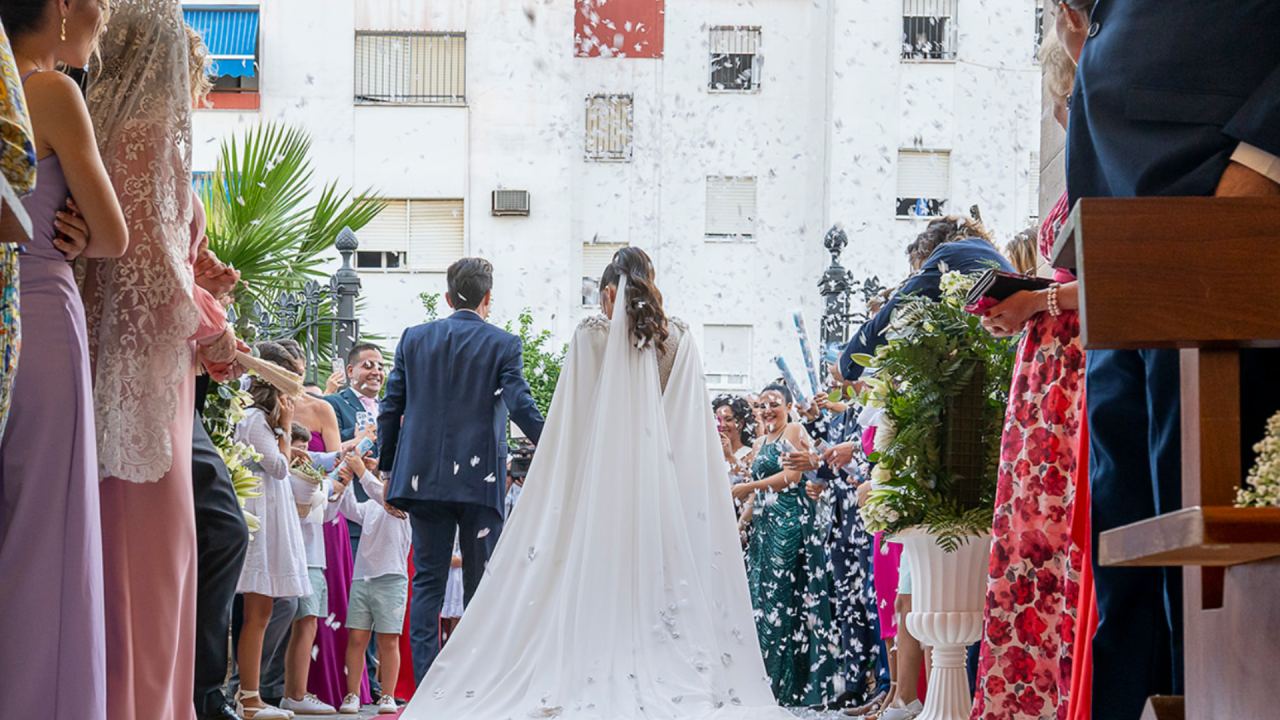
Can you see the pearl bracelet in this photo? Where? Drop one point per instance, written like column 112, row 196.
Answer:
column 1054, row 310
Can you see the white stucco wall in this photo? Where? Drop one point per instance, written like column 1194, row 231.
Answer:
column 821, row 135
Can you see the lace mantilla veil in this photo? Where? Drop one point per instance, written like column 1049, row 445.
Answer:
column 617, row 589
column 139, row 307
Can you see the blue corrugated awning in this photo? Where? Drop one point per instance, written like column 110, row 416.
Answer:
column 232, row 38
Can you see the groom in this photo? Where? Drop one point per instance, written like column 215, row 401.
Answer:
column 452, row 385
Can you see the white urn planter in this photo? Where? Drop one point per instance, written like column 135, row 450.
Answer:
column 949, row 590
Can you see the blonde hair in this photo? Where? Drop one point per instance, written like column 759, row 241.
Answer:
column 1021, row 251
column 199, row 62
column 1058, row 67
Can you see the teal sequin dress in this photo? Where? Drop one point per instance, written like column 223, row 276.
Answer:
column 790, row 590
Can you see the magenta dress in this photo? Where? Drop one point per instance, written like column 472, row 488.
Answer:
column 328, row 680
column 52, row 626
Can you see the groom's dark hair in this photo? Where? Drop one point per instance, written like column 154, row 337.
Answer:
column 470, row 279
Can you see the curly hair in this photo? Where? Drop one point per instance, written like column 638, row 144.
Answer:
column 943, row 231
column 741, row 410
column 199, row 62
column 644, row 300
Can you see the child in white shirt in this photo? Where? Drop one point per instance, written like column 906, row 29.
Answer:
column 379, row 590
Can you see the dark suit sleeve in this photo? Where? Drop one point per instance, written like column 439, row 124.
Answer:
column 391, row 412
column 516, row 394
column 346, row 426
column 1258, row 121
column 871, row 335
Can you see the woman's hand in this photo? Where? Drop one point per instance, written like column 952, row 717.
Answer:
column 800, row 461
column 1008, row 317
column 213, row 275
column 814, row 490
column 223, row 349
column 286, row 413
column 727, row 447
column 72, row 231
column 742, row 491
column 864, row 489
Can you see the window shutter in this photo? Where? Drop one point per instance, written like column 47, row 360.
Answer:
column 595, row 258
column 735, row 40
column 389, row 231
column 435, row 234
column 924, row 175
column 731, row 206
column 1034, row 186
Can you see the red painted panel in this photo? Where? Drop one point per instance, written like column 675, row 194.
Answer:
column 618, row 28
column 234, row 100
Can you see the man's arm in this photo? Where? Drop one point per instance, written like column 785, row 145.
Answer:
column 871, row 335
column 392, row 412
column 516, row 394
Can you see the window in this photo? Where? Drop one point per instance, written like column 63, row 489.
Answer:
column 924, row 182
column 735, row 64
column 1039, row 31
column 231, row 35
column 411, row 68
column 595, row 258
column 424, row 235
column 609, row 128
column 728, row 353
column 731, row 207
column 929, row 29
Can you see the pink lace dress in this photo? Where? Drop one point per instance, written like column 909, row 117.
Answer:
column 1024, row 670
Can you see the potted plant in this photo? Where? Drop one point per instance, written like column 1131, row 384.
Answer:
column 943, row 383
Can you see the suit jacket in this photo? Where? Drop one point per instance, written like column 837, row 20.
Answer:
column 453, row 383
column 970, row 255
column 346, row 404
column 1165, row 92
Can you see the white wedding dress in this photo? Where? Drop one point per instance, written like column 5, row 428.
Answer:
column 617, row 590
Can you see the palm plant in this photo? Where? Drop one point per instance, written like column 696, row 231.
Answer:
column 261, row 220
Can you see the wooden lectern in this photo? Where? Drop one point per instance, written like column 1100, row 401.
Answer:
column 1202, row 275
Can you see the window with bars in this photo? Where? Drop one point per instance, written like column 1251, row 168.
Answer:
column 609, row 128
column 411, row 68
column 1033, row 189
column 1039, row 31
column 595, row 258
column 929, row 29
column 731, row 207
column 735, row 59
column 728, row 355
column 924, row 183
column 424, row 235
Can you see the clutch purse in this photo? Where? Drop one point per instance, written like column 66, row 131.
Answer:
column 997, row 285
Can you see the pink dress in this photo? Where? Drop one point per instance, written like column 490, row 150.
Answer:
column 1024, row 670
column 328, row 680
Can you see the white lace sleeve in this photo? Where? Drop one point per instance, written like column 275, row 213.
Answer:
column 254, row 432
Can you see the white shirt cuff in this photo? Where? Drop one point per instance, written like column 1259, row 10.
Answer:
column 1258, row 160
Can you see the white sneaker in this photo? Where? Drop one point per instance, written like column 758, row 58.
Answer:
column 387, row 705
column 903, row 713
column 350, row 705
column 308, row 705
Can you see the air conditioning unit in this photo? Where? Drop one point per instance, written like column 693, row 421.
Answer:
column 510, row 202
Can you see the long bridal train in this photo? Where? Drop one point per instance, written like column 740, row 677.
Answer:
column 617, row 589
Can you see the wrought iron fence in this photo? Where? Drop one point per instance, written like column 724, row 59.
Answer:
column 838, row 289
column 411, row 68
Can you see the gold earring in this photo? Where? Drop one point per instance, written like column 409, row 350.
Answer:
column 64, row 29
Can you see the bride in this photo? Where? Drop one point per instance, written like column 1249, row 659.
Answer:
column 617, row 589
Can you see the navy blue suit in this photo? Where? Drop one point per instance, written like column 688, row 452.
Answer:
column 453, row 383
column 970, row 255
column 345, row 404
column 1166, row 91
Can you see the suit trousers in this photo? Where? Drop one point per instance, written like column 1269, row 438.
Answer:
column 1135, row 473
column 435, row 525
column 222, row 538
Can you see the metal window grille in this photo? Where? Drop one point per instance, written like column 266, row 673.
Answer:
column 929, row 29
column 411, row 68
column 595, row 258
column 609, row 127
column 924, row 183
column 735, row 59
column 1039, row 31
column 731, row 207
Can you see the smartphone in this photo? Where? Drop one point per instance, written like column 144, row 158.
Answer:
column 363, row 421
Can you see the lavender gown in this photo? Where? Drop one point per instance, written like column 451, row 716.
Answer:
column 51, row 599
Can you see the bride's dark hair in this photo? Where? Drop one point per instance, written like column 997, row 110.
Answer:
column 644, row 301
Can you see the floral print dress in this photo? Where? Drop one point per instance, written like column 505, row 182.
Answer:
column 1024, row 670
column 790, row 589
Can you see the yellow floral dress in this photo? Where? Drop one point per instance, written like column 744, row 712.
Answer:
column 18, row 164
